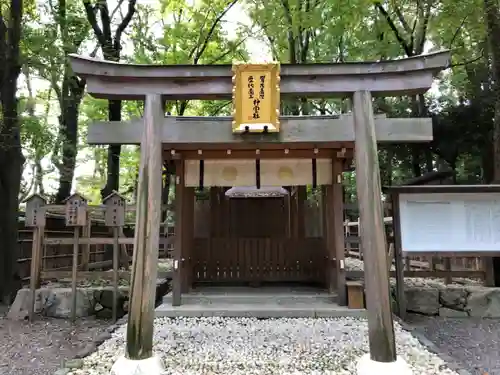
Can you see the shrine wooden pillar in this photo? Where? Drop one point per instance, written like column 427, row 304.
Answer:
column 337, row 202
column 180, row 235
column 214, row 212
column 188, row 241
column 301, row 220
column 329, row 234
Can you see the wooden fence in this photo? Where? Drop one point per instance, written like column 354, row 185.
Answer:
column 58, row 257
column 420, row 266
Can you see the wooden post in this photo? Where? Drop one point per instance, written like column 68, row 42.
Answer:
column 147, row 236
column 338, row 229
column 489, row 272
column 372, row 231
column 35, row 218
column 398, row 257
column 87, row 233
column 179, row 234
column 114, row 217
column 36, row 252
column 76, row 217
column 116, row 250
column 74, row 271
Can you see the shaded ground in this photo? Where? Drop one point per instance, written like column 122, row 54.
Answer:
column 40, row 348
column 473, row 342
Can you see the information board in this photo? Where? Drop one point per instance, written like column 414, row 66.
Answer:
column 450, row 222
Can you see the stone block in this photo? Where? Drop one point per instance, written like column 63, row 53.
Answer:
column 59, row 303
column 422, row 300
column 484, row 303
column 453, row 297
column 450, row 313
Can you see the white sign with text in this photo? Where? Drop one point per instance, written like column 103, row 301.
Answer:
column 450, row 222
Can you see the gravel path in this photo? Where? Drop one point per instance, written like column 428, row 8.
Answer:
column 236, row 346
column 474, row 343
column 40, row 348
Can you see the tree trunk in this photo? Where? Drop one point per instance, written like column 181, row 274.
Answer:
column 68, row 122
column 493, row 28
column 113, row 164
column 11, row 157
column 493, row 31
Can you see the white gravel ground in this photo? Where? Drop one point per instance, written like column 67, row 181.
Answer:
column 236, row 346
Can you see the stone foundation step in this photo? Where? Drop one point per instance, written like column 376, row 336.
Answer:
column 263, row 311
column 255, row 297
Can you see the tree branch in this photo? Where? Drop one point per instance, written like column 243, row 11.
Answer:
column 402, row 19
column 91, row 16
column 125, row 22
column 105, row 19
column 422, row 29
column 402, row 42
column 467, row 62
column 212, row 29
column 457, row 31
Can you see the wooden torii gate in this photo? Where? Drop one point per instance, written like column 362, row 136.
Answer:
column 359, row 131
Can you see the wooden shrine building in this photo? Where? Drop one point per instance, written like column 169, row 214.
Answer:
column 251, row 239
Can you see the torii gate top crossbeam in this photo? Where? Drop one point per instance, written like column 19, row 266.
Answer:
column 112, row 80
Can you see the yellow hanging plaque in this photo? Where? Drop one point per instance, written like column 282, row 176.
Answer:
column 256, row 98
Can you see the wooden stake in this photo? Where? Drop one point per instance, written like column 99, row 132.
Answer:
column 116, row 250
column 36, row 252
column 74, row 272
column 147, row 235
column 372, row 231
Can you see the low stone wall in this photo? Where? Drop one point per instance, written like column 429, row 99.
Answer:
column 454, row 301
column 56, row 301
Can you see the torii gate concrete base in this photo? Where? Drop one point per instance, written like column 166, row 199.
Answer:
column 148, row 366
column 367, row 366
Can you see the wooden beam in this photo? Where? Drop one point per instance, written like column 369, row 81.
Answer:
column 425, row 274
column 101, row 241
column 147, row 235
column 279, row 153
column 391, row 77
column 372, row 232
column 216, row 132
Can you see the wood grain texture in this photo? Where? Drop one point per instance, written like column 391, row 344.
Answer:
column 213, row 132
column 147, row 235
column 372, row 231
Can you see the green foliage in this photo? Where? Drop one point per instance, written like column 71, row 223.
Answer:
column 299, row 31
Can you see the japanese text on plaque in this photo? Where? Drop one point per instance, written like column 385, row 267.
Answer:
column 251, row 94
